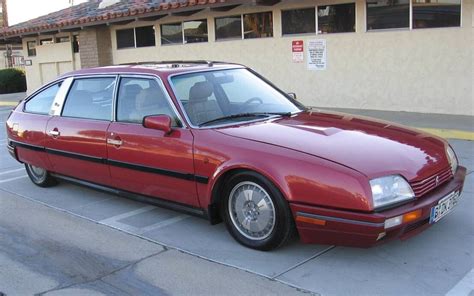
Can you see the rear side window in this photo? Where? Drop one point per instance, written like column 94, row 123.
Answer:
column 41, row 102
column 140, row 97
column 90, row 98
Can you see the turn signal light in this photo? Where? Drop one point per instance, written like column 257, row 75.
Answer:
column 311, row 220
column 412, row 216
column 406, row 218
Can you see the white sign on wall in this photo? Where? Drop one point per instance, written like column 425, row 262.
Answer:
column 317, row 54
column 297, row 48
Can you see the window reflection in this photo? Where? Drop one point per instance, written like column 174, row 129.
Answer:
column 436, row 13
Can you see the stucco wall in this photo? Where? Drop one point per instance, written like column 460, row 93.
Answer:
column 51, row 60
column 428, row 70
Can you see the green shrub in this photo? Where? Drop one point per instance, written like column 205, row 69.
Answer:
column 12, row 81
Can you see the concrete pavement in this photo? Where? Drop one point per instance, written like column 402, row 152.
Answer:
column 49, row 252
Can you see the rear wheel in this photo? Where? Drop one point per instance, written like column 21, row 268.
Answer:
column 40, row 176
column 256, row 213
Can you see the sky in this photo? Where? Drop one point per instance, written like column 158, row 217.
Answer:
column 23, row 10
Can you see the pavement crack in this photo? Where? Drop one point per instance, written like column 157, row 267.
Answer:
column 303, row 262
column 101, row 277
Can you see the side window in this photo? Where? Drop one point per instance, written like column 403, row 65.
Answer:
column 141, row 97
column 41, row 102
column 90, row 98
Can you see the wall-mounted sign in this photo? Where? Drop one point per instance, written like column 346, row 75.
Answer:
column 28, row 63
column 297, row 48
column 317, row 54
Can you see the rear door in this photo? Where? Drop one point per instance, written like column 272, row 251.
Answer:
column 76, row 140
column 148, row 161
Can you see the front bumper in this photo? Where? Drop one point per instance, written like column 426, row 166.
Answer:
column 342, row 227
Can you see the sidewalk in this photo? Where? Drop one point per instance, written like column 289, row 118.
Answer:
column 10, row 99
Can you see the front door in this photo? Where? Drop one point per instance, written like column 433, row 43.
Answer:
column 76, row 140
column 148, row 161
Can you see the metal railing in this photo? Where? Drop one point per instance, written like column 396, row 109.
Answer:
column 14, row 61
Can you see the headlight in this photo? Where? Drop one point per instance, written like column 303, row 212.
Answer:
column 390, row 190
column 453, row 160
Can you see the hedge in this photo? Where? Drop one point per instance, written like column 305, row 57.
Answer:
column 12, row 81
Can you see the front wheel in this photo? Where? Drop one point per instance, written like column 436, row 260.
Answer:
column 40, row 176
column 256, row 213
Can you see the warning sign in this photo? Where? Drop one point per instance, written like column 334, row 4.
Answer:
column 297, row 48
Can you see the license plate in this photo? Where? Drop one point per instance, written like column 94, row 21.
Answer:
column 444, row 206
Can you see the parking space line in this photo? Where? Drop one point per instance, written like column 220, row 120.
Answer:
column 11, row 171
column 162, row 224
column 13, row 179
column 126, row 215
column 304, row 261
column 465, row 286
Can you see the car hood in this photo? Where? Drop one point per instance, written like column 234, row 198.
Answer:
column 372, row 147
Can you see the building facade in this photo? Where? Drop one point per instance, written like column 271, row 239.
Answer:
column 398, row 55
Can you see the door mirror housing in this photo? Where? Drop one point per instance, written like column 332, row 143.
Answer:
column 158, row 122
column 293, row 96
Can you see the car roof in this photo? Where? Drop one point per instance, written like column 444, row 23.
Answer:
column 165, row 68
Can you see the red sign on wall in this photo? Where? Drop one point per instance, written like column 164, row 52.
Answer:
column 297, row 48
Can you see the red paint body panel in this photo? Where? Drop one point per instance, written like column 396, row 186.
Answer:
column 82, row 137
column 374, row 148
column 30, row 129
column 155, row 149
column 301, row 177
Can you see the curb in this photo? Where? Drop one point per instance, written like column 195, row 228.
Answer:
column 450, row 134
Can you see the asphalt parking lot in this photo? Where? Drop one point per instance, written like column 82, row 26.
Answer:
column 437, row 262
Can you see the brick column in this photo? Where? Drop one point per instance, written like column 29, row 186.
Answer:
column 95, row 47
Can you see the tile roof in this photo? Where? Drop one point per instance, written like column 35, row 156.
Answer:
column 88, row 13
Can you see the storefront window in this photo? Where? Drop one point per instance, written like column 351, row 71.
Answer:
column 145, row 36
column 136, row 37
column 436, row 13
column 298, row 21
column 229, row 27
column 336, row 18
column 125, row 38
column 62, row 39
column 31, row 47
column 195, row 31
column 383, row 14
column 75, row 44
column 46, row 41
column 172, row 33
column 258, row 25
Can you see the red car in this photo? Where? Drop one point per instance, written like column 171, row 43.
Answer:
column 219, row 141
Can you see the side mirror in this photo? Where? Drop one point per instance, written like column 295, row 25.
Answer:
column 158, row 122
column 292, row 95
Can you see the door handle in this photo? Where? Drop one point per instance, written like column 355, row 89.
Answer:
column 54, row 133
column 115, row 142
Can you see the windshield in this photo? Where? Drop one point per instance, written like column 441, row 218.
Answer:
column 228, row 96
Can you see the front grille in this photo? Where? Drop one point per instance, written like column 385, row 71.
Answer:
column 422, row 187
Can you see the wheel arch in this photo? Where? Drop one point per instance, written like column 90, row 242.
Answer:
column 218, row 181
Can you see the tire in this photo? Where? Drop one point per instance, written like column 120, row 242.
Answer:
column 248, row 198
column 40, row 176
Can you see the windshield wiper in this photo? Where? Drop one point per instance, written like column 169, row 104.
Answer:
column 240, row 115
